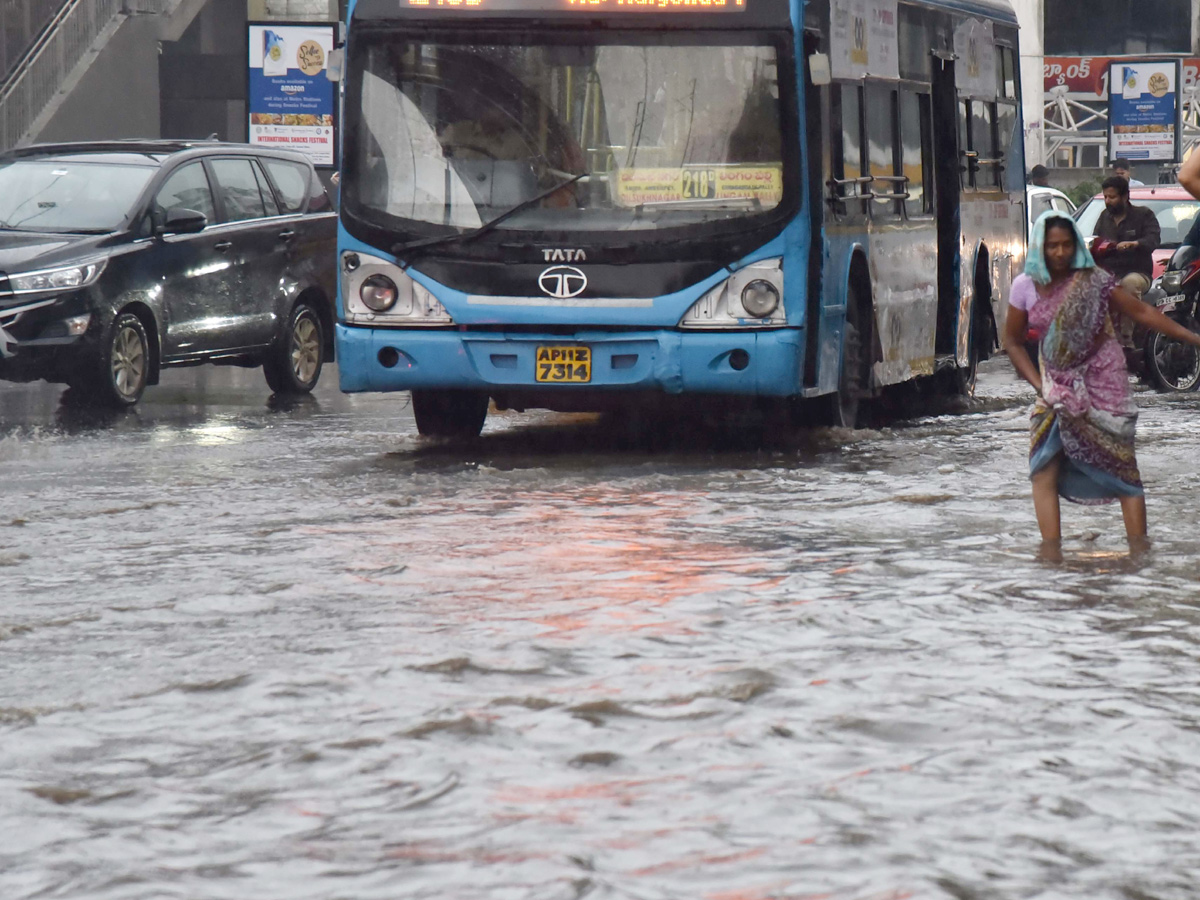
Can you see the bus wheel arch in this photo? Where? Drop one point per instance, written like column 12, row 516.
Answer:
column 981, row 326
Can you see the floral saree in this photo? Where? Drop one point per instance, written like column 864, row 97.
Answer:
column 1086, row 411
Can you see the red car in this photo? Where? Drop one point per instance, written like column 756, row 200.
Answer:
column 1175, row 208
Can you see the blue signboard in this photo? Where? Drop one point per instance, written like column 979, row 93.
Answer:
column 290, row 99
column 1144, row 110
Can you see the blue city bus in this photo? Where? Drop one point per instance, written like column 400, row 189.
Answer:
column 594, row 204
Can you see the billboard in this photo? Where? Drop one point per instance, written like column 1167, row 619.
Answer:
column 1144, row 110
column 290, row 101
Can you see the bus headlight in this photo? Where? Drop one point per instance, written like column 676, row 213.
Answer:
column 749, row 298
column 379, row 293
column 759, row 298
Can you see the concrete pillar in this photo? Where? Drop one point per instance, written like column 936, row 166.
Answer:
column 1031, row 16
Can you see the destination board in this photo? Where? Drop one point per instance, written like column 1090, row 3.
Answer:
column 638, row 186
column 584, row 6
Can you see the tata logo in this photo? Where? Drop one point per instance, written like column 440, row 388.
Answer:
column 559, row 254
column 562, row 282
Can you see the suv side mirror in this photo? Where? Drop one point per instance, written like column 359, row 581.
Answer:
column 184, row 221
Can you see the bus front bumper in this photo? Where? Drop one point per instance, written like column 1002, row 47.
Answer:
column 751, row 363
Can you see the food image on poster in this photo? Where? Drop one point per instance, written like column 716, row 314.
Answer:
column 273, row 60
column 291, row 101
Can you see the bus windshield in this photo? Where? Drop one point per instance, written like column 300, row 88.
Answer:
column 664, row 135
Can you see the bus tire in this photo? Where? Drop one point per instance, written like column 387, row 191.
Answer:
column 966, row 377
column 449, row 414
column 844, row 408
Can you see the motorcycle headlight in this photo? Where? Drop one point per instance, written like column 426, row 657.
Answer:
column 378, row 292
column 749, row 298
column 62, row 278
column 1172, row 281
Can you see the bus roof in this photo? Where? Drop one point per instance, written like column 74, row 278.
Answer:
column 1000, row 10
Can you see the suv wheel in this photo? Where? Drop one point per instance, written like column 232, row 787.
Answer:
column 118, row 377
column 449, row 414
column 293, row 364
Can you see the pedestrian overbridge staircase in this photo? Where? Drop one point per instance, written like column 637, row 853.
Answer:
column 48, row 46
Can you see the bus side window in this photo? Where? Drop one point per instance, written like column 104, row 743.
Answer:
column 852, row 155
column 1007, row 74
column 1008, row 148
column 915, row 150
column 983, row 142
column 967, row 164
column 881, row 131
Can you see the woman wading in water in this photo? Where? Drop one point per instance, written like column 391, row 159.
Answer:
column 1084, row 420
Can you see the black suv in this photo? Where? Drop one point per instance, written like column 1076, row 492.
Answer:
column 120, row 258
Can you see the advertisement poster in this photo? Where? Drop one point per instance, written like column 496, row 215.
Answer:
column 291, row 101
column 1143, row 110
column 864, row 39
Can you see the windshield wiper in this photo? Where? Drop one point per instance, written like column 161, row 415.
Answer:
column 425, row 243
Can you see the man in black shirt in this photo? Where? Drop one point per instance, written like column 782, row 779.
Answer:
column 1134, row 230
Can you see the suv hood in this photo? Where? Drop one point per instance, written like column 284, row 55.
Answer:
column 24, row 252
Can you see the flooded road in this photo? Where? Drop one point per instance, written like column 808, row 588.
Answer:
column 298, row 653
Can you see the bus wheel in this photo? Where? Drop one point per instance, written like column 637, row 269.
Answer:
column 965, row 377
column 449, row 414
column 846, row 403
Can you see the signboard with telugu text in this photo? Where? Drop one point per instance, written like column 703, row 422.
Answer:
column 864, row 39
column 290, row 100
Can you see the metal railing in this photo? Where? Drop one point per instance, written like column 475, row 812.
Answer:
column 21, row 22
column 64, row 42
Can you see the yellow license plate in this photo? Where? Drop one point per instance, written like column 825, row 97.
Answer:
column 564, row 365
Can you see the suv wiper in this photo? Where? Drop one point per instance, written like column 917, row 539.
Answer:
column 426, row 243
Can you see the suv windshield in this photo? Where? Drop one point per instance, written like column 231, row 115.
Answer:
column 60, row 196
column 665, row 135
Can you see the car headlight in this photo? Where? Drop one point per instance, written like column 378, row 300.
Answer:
column 62, row 278
column 1171, row 281
column 378, row 292
column 749, row 298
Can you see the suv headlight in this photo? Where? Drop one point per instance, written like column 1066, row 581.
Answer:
column 62, row 278
column 749, row 298
column 378, row 292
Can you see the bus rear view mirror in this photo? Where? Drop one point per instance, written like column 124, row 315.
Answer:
column 818, row 69
column 333, row 65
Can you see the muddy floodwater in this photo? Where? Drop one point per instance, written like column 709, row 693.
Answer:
column 251, row 650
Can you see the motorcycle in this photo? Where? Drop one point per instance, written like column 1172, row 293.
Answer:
column 1161, row 361
column 1171, row 365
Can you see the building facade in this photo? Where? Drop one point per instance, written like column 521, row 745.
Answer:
column 1065, row 49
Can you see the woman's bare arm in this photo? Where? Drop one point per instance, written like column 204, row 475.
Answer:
column 1015, row 326
column 1145, row 314
column 1189, row 175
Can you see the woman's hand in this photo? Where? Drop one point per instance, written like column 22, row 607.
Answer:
column 1149, row 316
column 1015, row 327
